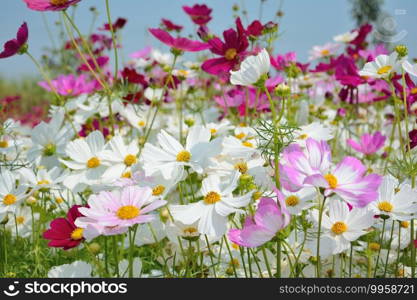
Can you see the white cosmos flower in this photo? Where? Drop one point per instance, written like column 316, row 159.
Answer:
column 86, row 160
column 346, row 37
column 153, row 95
column 77, row 269
column 10, row 193
column 299, row 201
column 344, row 226
column 381, row 67
column 251, row 69
column 218, row 202
column 315, row 130
column 43, row 178
column 323, row 51
column 136, row 267
column 394, row 200
column 171, row 157
column 22, row 221
column 409, row 68
column 120, row 157
column 134, row 116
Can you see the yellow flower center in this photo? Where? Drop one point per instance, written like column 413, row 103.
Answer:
column 303, row 136
column 184, row 156
column 213, row 131
column 325, row 52
column 242, row 167
column 292, row 200
column 158, row 190
column 49, row 149
column 20, row 220
column 77, row 234
column 414, row 91
column 235, row 246
column 339, row 228
column 234, row 262
column 9, row 199
column 374, row 246
column 4, row 144
column 127, row 174
column 230, row 53
column 128, row 212
column 331, row 180
column 405, row 224
column 130, row 159
column 384, row 70
column 93, row 162
column 59, row 200
column 385, row 206
column 247, row 144
column 189, row 230
column 212, row 197
column 182, row 73
column 43, row 182
column 240, row 135
column 141, row 123
column 58, row 2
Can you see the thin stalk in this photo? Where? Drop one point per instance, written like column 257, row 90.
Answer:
column 113, row 36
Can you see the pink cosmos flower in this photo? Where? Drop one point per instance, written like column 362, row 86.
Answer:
column 268, row 220
column 369, row 143
column 200, row 14
column 70, row 85
column 183, row 44
column 54, row 5
column 16, row 45
column 113, row 212
column 101, row 62
column 171, row 26
column 312, row 167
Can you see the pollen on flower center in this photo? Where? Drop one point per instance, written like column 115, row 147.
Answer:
column 20, row 220
column 158, row 190
column 93, row 162
column 303, row 136
column 325, row 52
column 413, row 91
column 339, row 227
column 4, row 144
column 77, row 234
column 127, row 174
column 247, row 144
column 184, row 156
column 43, row 182
column 130, row 159
column 58, row 2
column 230, row 53
column 49, row 149
column 384, row 70
column 385, row 206
column 128, row 212
column 242, row 167
column 331, row 180
column 213, row 131
column 292, row 200
column 141, row 123
column 212, row 197
column 405, row 224
column 189, row 230
column 240, row 135
column 9, row 199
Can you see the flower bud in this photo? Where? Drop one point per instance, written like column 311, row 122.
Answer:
column 401, row 50
column 282, row 90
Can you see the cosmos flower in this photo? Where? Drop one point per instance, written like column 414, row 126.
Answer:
column 369, row 143
column 381, row 67
column 63, row 233
column 252, row 69
column 117, row 25
column 346, row 37
column 199, row 14
column 77, row 269
column 53, row 5
column 269, row 218
column 17, row 45
column 409, row 68
column 326, row 50
column 182, row 44
column 170, row 26
column 70, row 85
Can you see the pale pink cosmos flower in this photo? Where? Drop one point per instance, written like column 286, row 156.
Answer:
column 264, row 225
column 70, row 85
column 113, row 212
column 369, row 143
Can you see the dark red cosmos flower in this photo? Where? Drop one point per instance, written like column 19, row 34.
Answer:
column 346, row 72
column 132, row 76
column 254, row 29
column 413, row 138
column 18, row 44
column 179, row 43
column 101, row 62
column 119, row 24
column 170, row 26
column 232, row 50
column 63, row 233
column 200, row 14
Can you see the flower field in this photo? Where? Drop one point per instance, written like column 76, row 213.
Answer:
column 212, row 156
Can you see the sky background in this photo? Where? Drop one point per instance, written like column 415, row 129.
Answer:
column 306, row 23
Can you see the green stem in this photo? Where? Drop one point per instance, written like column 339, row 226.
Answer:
column 113, row 36
column 321, row 210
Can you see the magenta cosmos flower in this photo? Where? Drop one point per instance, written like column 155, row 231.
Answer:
column 179, row 43
column 369, row 143
column 55, row 5
column 70, row 85
column 200, row 14
column 122, row 208
column 18, row 44
column 312, row 167
column 267, row 221
column 63, row 232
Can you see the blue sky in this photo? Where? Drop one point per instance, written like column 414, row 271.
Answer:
column 306, row 23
